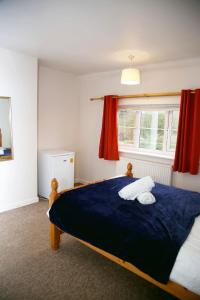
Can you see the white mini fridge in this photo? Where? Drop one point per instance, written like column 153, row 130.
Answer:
column 57, row 164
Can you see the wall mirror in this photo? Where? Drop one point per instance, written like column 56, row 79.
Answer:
column 6, row 151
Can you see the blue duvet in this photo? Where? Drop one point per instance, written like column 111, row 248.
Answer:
column 148, row 236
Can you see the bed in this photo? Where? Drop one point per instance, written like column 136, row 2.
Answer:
column 123, row 230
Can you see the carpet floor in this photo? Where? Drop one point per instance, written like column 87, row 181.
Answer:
column 30, row 270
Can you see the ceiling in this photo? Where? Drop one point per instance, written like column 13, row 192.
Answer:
column 87, row 36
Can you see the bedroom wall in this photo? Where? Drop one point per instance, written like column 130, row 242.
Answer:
column 170, row 76
column 18, row 80
column 58, row 110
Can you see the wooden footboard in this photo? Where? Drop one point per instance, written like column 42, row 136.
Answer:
column 171, row 287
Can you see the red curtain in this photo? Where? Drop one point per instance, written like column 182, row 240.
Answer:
column 108, row 147
column 188, row 140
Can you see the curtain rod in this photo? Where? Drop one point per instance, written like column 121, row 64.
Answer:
column 143, row 95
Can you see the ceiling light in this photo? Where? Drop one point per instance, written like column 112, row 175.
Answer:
column 130, row 76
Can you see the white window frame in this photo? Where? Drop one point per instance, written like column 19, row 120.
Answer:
column 168, row 109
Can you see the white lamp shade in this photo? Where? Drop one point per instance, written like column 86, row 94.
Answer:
column 130, row 76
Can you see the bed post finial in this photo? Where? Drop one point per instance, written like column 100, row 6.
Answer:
column 54, row 194
column 54, row 231
column 54, row 185
column 129, row 170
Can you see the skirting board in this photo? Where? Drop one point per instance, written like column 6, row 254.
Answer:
column 14, row 205
column 79, row 180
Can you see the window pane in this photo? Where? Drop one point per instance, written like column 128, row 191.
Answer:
column 151, row 139
column 126, row 117
column 175, row 117
column 161, row 120
column 153, row 119
column 173, row 138
column 126, row 135
column 146, row 120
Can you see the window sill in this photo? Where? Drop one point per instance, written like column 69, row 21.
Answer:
column 146, row 155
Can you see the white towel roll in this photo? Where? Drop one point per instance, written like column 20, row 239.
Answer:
column 146, row 198
column 132, row 190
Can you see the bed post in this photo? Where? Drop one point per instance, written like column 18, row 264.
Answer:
column 54, row 231
column 129, row 170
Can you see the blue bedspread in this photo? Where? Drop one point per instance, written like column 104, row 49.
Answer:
column 148, row 236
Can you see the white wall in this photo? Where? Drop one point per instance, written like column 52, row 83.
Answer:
column 171, row 76
column 18, row 177
column 58, row 110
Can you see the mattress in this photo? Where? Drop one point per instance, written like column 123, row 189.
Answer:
column 186, row 270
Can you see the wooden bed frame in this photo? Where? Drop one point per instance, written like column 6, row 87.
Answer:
column 55, row 233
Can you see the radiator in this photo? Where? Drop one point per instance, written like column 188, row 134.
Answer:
column 161, row 173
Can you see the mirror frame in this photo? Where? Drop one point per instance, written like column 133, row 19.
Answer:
column 8, row 157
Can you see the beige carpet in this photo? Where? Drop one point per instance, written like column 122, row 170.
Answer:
column 29, row 269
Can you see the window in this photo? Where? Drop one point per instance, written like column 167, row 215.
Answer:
column 152, row 131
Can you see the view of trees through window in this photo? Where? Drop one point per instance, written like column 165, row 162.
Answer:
column 152, row 127
column 127, row 126
column 150, row 130
column 174, row 129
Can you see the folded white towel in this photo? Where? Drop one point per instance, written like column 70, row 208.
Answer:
column 132, row 190
column 146, row 198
